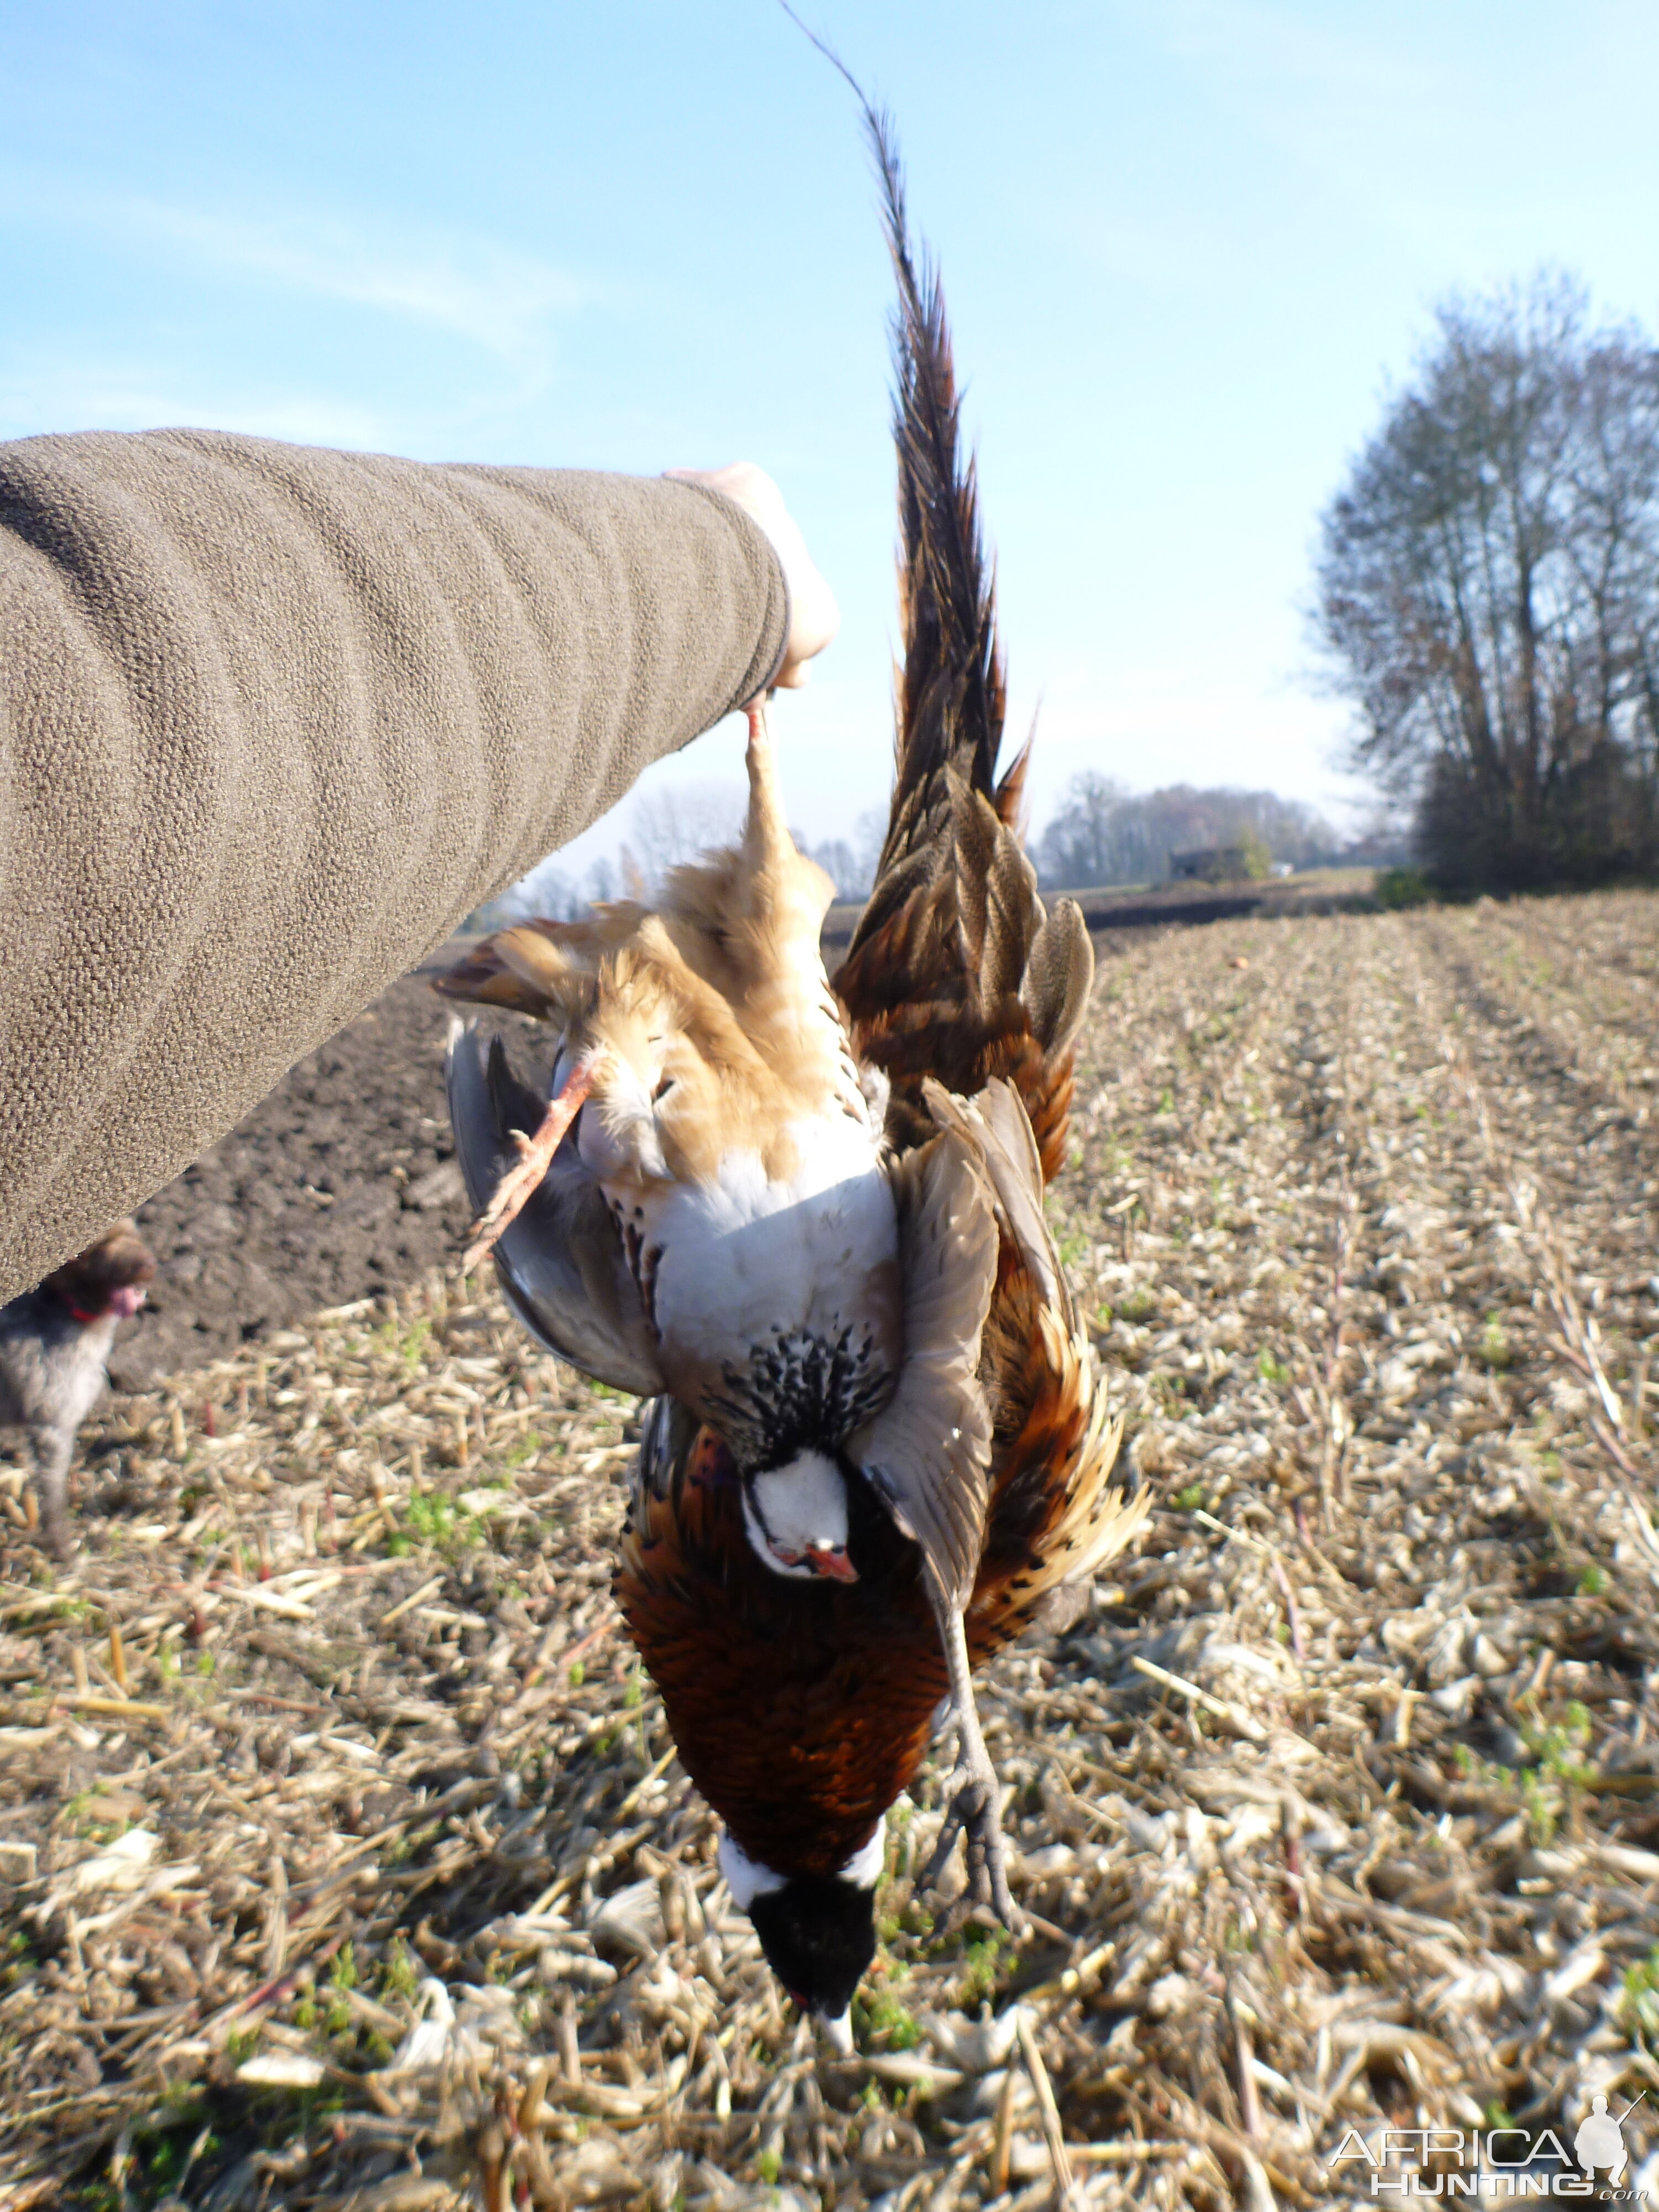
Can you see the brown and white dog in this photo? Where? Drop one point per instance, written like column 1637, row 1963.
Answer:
column 54, row 1342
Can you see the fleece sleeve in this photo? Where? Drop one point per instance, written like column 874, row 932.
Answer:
column 272, row 720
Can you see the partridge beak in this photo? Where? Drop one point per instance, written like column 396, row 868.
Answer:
column 838, row 2032
column 831, row 1560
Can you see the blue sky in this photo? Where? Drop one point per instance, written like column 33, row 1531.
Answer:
column 1186, row 244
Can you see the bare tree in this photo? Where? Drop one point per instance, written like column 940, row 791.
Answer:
column 850, row 863
column 547, row 893
column 668, row 826
column 1489, row 589
column 1079, row 847
column 1103, row 835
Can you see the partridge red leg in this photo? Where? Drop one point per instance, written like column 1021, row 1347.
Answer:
column 513, row 1193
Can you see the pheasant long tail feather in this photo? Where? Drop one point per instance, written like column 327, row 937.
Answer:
column 952, row 697
column 955, row 971
column 951, row 692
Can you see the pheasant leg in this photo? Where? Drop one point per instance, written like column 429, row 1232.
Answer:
column 975, row 1809
column 516, row 1187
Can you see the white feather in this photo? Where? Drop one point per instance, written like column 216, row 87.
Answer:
column 747, row 1257
column 798, row 1508
column 864, row 1868
column 746, row 1878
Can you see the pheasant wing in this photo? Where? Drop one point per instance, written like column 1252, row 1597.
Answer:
column 927, row 1452
column 998, row 1129
column 561, row 1262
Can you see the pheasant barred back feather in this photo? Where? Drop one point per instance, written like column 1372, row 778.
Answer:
column 955, row 971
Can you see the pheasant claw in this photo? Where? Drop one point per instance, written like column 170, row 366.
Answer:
column 974, row 1815
column 975, row 1811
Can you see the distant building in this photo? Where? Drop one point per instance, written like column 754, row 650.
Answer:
column 1211, row 863
column 1378, row 852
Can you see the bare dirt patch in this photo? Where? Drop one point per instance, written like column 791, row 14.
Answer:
column 1340, row 1806
column 339, row 1186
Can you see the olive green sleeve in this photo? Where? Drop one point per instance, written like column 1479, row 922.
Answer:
column 272, row 720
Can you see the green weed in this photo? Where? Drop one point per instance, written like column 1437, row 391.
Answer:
column 1638, row 2002
column 399, row 1976
column 408, row 1345
column 1398, row 888
column 885, row 2019
column 1547, row 1788
column 1494, row 1350
column 984, row 1958
column 433, row 1518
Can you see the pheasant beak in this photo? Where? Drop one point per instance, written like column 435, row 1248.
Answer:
column 838, row 2032
column 831, row 1560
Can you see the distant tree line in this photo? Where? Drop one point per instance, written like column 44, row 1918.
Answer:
column 665, row 828
column 1489, row 593
column 1103, row 834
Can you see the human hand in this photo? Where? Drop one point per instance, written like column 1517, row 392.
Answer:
column 814, row 617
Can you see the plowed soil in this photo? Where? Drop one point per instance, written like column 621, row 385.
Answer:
column 339, row 1186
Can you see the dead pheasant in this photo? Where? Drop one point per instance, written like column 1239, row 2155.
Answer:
column 810, row 1224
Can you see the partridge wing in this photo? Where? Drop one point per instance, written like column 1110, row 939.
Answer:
column 561, row 1263
column 927, row 1452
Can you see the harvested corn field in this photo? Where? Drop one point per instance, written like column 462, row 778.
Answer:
column 348, row 1863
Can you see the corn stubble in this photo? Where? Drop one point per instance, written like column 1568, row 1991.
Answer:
column 1339, row 1804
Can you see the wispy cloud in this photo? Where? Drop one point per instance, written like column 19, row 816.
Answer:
column 492, row 295
column 38, row 394
column 480, row 289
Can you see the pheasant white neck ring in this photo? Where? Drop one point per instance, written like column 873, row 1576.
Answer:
column 819, row 1935
column 796, row 1518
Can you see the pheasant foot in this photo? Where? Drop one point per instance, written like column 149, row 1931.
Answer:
column 975, row 1811
column 517, row 1187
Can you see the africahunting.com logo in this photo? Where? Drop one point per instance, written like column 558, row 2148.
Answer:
column 1494, row 2161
